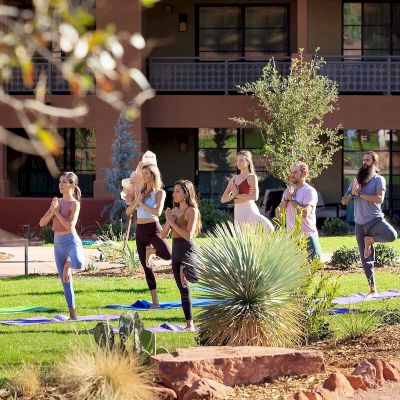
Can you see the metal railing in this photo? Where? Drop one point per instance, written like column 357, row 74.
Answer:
column 363, row 74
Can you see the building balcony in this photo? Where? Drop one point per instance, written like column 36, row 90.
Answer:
column 55, row 82
column 369, row 75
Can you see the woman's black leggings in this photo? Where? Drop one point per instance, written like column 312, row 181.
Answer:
column 147, row 234
column 181, row 249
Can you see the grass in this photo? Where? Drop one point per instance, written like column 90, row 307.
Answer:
column 331, row 243
column 48, row 343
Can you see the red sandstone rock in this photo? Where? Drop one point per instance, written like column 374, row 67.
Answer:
column 300, row 396
column 395, row 364
column 329, row 395
column 377, row 363
column 235, row 365
column 313, row 396
column 390, row 373
column 357, row 382
column 368, row 372
column 339, row 384
column 164, row 393
column 207, row 389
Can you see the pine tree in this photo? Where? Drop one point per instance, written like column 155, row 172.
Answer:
column 124, row 150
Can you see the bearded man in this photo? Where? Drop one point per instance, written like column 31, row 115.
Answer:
column 368, row 192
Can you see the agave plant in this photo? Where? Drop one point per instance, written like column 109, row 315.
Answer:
column 254, row 278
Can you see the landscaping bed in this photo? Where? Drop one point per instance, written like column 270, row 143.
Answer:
column 339, row 356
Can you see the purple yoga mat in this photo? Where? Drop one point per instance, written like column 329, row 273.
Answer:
column 57, row 318
column 360, row 297
column 164, row 328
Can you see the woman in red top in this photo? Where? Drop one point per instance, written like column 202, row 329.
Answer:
column 243, row 190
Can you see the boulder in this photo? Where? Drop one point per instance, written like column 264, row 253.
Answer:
column 390, row 372
column 368, row 373
column 339, row 384
column 232, row 366
column 357, row 382
column 207, row 389
column 300, row 396
column 329, row 395
column 377, row 363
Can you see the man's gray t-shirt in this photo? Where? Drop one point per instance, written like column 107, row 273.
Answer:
column 365, row 211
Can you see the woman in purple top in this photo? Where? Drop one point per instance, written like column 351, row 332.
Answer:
column 68, row 250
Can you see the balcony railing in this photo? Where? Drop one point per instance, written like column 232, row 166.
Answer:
column 353, row 75
column 55, row 81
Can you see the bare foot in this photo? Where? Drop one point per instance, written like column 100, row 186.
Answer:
column 154, row 305
column 368, row 242
column 67, row 272
column 150, row 250
column 72, row 315
column 190, row 326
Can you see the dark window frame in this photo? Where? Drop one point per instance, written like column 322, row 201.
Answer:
column 242, row 27
column 362, row 26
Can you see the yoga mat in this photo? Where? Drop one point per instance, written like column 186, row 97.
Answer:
column 164, row 328
column 57, row 318
column 360, row 297
column 142, row 305
column 19, row 309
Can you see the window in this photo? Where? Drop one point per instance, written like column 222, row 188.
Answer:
column 371, row 28
column 242, row 31
column 386, row 144
column 30, row 177
column 217, row 149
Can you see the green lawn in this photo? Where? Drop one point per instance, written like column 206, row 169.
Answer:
column 328, row 243
column 49, row 342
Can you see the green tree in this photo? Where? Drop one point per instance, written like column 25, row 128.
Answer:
column 124, row 151
column 290, row 115
column 90, row 59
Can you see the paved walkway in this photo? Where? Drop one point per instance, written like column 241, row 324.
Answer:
column 41, row 260
column 391, row 391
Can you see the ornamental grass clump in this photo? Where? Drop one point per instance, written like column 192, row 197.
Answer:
column 97, row 373
column 254, row 278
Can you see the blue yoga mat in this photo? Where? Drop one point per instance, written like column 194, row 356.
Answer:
column 142, row 305
column 57, row 319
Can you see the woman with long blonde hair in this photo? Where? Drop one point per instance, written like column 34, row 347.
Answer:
column 184, row 222
column 243, row 190
column 149, row 203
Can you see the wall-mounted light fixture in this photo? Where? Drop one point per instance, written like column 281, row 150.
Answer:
column 183, row 18
column 183, row 143
column 168, row 8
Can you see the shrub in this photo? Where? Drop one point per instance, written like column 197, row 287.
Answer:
column 335, row 226
column 211, row 215
column 114, row 231
column 385, row 255
column 253, row 278
column 46, row 234
column 356, row 324
column 319, row 292
column 345, row 257
column 25, row 380
column 96, row 373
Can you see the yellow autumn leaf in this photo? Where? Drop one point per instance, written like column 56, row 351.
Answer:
column 48, row 141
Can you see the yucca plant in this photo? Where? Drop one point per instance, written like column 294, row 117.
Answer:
column 253, row 278
column 356, row 324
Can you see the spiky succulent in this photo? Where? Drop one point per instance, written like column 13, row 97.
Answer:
column 104, row 335
column 254, row 278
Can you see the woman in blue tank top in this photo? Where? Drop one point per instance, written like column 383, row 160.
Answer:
column 149, row 203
